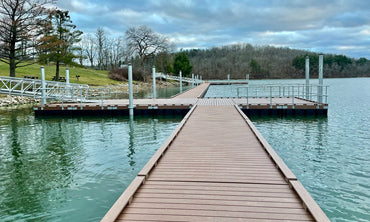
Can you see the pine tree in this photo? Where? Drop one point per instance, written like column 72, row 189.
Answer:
column 58, row 43
column 182, row 63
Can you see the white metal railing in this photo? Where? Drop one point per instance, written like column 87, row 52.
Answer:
column 60, row 91
column 229, row 81
column 310, row 92
column 33, row 88
column 177, row 78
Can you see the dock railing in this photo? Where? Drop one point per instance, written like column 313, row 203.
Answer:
column 310, row 92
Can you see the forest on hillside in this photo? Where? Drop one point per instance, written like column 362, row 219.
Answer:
column 268, row 62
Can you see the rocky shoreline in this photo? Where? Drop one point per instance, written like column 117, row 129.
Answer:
column 7, row 100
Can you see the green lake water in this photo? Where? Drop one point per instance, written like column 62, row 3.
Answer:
column 329, row 155
column 73, row 169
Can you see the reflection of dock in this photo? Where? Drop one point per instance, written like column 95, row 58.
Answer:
column 181, row 103
column 215, row 166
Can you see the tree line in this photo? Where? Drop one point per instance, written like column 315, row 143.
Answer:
column 268, row 62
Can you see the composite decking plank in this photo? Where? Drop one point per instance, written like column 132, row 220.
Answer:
column 214, row 207
column 224, row 214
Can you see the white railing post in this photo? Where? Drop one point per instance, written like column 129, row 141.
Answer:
column 228, row 78
column 307, row 76
column 130, row 91
column 43, row 94
column 192, row 79
column 154, row 87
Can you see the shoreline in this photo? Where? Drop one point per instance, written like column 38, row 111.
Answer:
column 8, row 101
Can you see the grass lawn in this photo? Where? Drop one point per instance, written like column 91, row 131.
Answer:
column 87, row 76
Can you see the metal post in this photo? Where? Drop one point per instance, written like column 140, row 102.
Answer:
column 192, row 79
column 130, row 91
column 321, row 76
column 293, row 97
column 180, row 74
column 101, row 97
column 247, row 97
column 43, row 93
column 270, row 97
column 307, row 76
column 154, row 87
column 67, row 75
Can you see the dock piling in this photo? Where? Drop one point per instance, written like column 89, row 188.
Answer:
column 307, row 76
column 130, row 91
column 180, row 74
column 321, row 77
column 154, row 86
column 43, row 94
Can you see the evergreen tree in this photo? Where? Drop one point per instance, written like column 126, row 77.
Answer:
column 182, row 63
column 58, row 43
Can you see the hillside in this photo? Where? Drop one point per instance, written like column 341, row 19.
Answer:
column 87, row 76
column 268, row 62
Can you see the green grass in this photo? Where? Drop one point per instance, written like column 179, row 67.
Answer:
column 87, row 76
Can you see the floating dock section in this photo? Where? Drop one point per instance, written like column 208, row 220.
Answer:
column 183, row 102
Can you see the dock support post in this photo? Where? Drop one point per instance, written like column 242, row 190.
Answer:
column 180, row 74
column 192, row 79
column 307, row 77
column 43, row 93
column 130, row 91
column 154, row 86
column 67, row 76
column 67, row 81
column 247, row 77
column 321, row 77
column 228, row 79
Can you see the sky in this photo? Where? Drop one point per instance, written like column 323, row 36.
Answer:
column 327, row 26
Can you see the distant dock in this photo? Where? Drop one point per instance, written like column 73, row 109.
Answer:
column 183, row 102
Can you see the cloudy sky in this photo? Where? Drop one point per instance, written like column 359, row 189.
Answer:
column 329, row 26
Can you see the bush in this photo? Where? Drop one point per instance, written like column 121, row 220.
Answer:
column 122, row 74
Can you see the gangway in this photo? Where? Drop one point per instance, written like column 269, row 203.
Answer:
column 33, row 88
column 177, row 78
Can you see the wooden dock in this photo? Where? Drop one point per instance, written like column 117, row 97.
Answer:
column 183, row 102
column 215, row 166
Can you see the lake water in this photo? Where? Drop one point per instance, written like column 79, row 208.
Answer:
column 73, row 169
column 329, row 155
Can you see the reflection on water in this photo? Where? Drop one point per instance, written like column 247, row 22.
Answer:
column 73, row 169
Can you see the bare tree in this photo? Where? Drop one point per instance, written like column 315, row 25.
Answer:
column 20, row 25
column 100, row 42
column 90, row 48
column 145, row 42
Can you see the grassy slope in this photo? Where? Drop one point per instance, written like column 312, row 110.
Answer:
column 87, row 76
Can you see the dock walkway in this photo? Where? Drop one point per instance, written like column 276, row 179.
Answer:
column 215, row 166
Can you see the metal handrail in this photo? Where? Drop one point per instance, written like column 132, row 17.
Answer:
column 309, row 92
